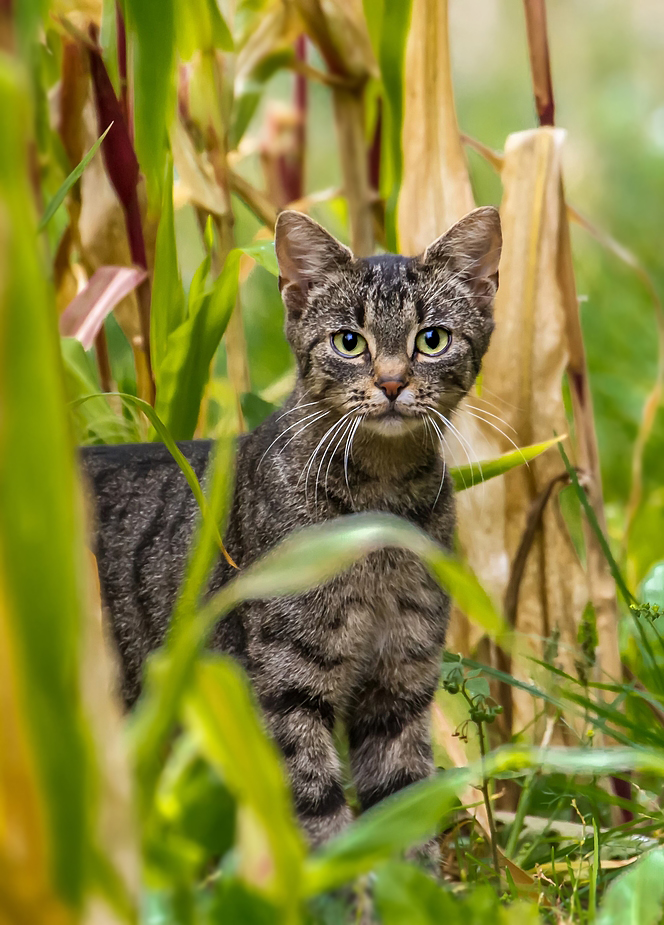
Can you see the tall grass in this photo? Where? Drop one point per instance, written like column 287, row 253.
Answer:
column 134, row 215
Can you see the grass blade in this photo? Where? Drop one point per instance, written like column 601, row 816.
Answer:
column 75, row 175
column 174, row 450
column 467, row 476
column 627, row 595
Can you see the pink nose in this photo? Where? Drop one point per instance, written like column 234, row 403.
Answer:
column 391, row 387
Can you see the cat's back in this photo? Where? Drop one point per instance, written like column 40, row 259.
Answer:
column 142, row 514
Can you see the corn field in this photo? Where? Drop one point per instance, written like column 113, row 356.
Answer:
column 146, row 150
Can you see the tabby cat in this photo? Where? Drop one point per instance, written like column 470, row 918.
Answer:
column 385, row 347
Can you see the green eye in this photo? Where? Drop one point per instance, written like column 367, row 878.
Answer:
column 349, row 343
column 432, row 342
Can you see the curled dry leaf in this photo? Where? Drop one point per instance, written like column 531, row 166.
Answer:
column 339, row 29
column 85, row 315
column 275, row 31
column 196, row 181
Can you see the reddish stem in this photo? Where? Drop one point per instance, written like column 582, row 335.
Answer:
column 540, row 65
column 123, row 171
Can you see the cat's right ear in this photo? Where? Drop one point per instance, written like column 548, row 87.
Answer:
column 305, row 254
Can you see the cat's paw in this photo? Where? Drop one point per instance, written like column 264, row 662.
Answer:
column 320, row 829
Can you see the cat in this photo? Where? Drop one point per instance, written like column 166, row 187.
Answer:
column 386, row 347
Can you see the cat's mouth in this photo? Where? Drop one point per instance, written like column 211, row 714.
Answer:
column 393, row 421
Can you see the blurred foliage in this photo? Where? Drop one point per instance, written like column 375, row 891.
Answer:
column 181, row 814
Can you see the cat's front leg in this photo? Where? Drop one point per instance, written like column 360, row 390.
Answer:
column 389, row 728
column 301, row 722
column 297, row 673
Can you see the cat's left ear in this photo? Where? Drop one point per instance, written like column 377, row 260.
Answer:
column 306, row 253
column 471, row 248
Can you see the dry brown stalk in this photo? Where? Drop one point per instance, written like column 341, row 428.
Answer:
column 540, row 66
column 436, row 190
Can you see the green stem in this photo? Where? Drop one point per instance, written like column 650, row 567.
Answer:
column 519, row 816
column 487, row 805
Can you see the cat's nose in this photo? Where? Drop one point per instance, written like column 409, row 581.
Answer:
column 391, row 387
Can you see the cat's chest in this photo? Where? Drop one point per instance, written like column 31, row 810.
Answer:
column 387, row 597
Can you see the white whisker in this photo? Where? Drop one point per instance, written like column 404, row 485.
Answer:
column 298, row 407
column 495, row 416
column 349, row 441
column 465, row 445
column 345, row 430
column 307, row 417
column 495, row 427
column 442, row 439
column 307, row 466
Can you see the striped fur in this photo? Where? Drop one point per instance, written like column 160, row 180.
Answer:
column 364, row 649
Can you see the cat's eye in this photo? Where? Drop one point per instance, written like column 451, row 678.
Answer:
column 349, row 343
column 433, row 342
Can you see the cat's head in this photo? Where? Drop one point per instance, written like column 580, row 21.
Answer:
column 389, row 337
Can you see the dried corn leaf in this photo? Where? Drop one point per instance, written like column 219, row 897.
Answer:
column 196, row 181
column 436, row 189
column 523, row 370
column 435, row 193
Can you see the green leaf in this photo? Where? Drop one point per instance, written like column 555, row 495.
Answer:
column 405, row 895
column 307, row 558
column 255, row 409
column 401, row 820
column 264, row 255
column 219, row 710
column 628, row 597
column 153, row 721
column 391, row 22
column 168, row 304
column 42, row 595
column 152, row 26
column 637, row 896
column 313, row 555
column 96, row 422
column 185, row 368
column 235, row 902
column 75, row 175
column 200, row 27
column 652, row 589
column 467, row 476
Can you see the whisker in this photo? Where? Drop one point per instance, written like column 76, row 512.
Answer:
column 298, row 407
column 284, row 432
column 496, row 416
column 442, row 439
column 346, row 455
column 298, row 432
column 465, row 445
column 442, row 478
column 307, row 466
column 345, row 430
column 499, row 397
column 495, row 427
